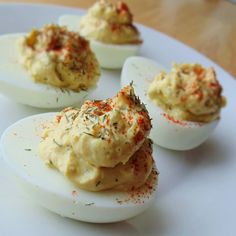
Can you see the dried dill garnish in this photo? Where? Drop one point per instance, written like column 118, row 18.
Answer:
column 115, row 125
column 89, row 134
column 119, row 201
column 59, row 145
column 104, row 118
column 67, row 118
column 89, row 204
column 74, row 116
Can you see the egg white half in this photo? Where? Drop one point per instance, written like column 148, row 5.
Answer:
column 110, row 56
column 166, row 132
column 15, row 82
column 52, row 190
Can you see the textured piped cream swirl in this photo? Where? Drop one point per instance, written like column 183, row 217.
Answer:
column 53, row 55
column 189, row 92
column 103, row 145
column 109, row 23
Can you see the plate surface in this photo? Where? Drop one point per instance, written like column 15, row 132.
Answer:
column 197, row 189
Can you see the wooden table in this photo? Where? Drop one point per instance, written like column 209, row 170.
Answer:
column 206, row 25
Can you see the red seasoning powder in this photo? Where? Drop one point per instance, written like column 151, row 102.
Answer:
column 173, row 120
column 143, row 193
column 179, row 122
column 58, row 118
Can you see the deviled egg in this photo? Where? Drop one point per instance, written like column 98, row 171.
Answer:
column 110, row 30
column 51, row 67
column 99, row 165
column 184, row 104
column 102, row 145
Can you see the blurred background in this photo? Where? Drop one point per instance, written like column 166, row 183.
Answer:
column 209, row 26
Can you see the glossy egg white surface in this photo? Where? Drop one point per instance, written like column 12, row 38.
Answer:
column 52, row 190
column 110, row 56
column 166, row 131
column 16, row 84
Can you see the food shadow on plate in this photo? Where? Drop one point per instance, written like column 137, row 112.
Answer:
column 211, row 153
column 154, row 221
column 154, row 218
column 176, row 167
column 99, row 229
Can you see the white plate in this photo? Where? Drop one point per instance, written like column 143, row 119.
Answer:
column 197, row 189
